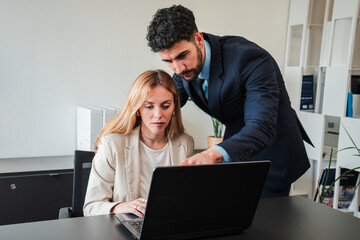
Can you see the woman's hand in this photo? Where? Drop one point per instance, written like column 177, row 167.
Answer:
column 136, row 207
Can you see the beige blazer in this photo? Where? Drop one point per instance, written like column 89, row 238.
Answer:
column 116, row 170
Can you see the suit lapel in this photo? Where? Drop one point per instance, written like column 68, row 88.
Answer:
column 194, row 96
column 174, row 147
column 215, row 81
column 215, row 84
column 132, row 163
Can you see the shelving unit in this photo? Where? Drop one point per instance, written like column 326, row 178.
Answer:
column 323, row 41
column 347, row 158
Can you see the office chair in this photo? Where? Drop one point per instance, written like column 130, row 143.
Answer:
column 82, row 167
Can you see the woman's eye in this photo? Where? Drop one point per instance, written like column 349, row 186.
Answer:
column 148, row 107
column 166, row 106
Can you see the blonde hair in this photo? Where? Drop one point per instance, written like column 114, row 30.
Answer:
column 126, row 120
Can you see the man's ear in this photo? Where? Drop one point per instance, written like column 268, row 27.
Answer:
column 199, row 39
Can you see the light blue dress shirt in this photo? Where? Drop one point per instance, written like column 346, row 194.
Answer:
column 204, row 74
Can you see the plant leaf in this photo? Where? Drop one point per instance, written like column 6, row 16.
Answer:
column 353, row 142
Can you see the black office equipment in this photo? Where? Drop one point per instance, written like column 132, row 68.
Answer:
column 82, row 167
column 34, row 195
column 201, row 200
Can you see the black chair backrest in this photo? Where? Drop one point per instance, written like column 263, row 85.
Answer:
column 82, row 167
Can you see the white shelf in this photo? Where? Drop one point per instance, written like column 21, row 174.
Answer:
column 313, row 45
column 356, row 56
column 293, row 85
column 344, row 9
column 294, row 49
column 335, row 91
column 317, row 12
column 315, row 127
column 341, row 43
column 298, row 10
column 346, row 158
column 324, row 41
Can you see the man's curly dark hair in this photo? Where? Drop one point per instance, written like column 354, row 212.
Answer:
column 169, row 26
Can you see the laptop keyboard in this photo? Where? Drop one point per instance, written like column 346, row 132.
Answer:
column 136, row 225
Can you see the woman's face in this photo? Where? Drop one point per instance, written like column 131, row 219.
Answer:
column 156, row 111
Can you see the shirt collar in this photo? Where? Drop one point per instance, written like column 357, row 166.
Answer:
column 205, row 72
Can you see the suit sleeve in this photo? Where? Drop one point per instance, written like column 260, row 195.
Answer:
column 257, row 75
column 99, row 193
column 180, row 87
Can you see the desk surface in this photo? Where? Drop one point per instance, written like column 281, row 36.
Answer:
column 277, row 218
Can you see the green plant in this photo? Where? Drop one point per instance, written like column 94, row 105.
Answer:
column 326, row 190
column 218, row 127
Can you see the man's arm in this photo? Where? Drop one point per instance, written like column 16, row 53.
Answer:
column 260, row 115
column 209, row 156
column 260, row 108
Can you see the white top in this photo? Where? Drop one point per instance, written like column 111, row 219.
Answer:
column 150, row 159
column 116, row 169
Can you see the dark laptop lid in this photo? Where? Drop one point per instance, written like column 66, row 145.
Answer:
column 203, row 200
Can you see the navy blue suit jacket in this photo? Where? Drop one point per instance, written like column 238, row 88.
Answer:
column 246, row 92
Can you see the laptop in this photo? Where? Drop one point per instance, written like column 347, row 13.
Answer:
column 200, row 201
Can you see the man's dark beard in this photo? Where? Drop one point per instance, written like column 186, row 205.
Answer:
column 198, row 67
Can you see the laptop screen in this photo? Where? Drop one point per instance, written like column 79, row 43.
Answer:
column 203, row 200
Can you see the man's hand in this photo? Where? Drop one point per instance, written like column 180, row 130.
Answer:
column 209, row 156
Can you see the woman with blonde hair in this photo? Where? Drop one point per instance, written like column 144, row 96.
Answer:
column 148, row 132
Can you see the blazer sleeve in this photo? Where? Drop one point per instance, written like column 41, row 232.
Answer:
column 189, row 145
column 99, row 193
column 257, row 74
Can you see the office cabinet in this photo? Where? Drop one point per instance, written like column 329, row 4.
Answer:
column 34, row 196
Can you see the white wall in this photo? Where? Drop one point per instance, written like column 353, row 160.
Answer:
column 55, row 55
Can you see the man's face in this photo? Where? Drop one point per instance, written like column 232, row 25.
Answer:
column 185, row 58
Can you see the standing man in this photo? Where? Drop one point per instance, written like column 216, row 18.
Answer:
column 239, row 83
